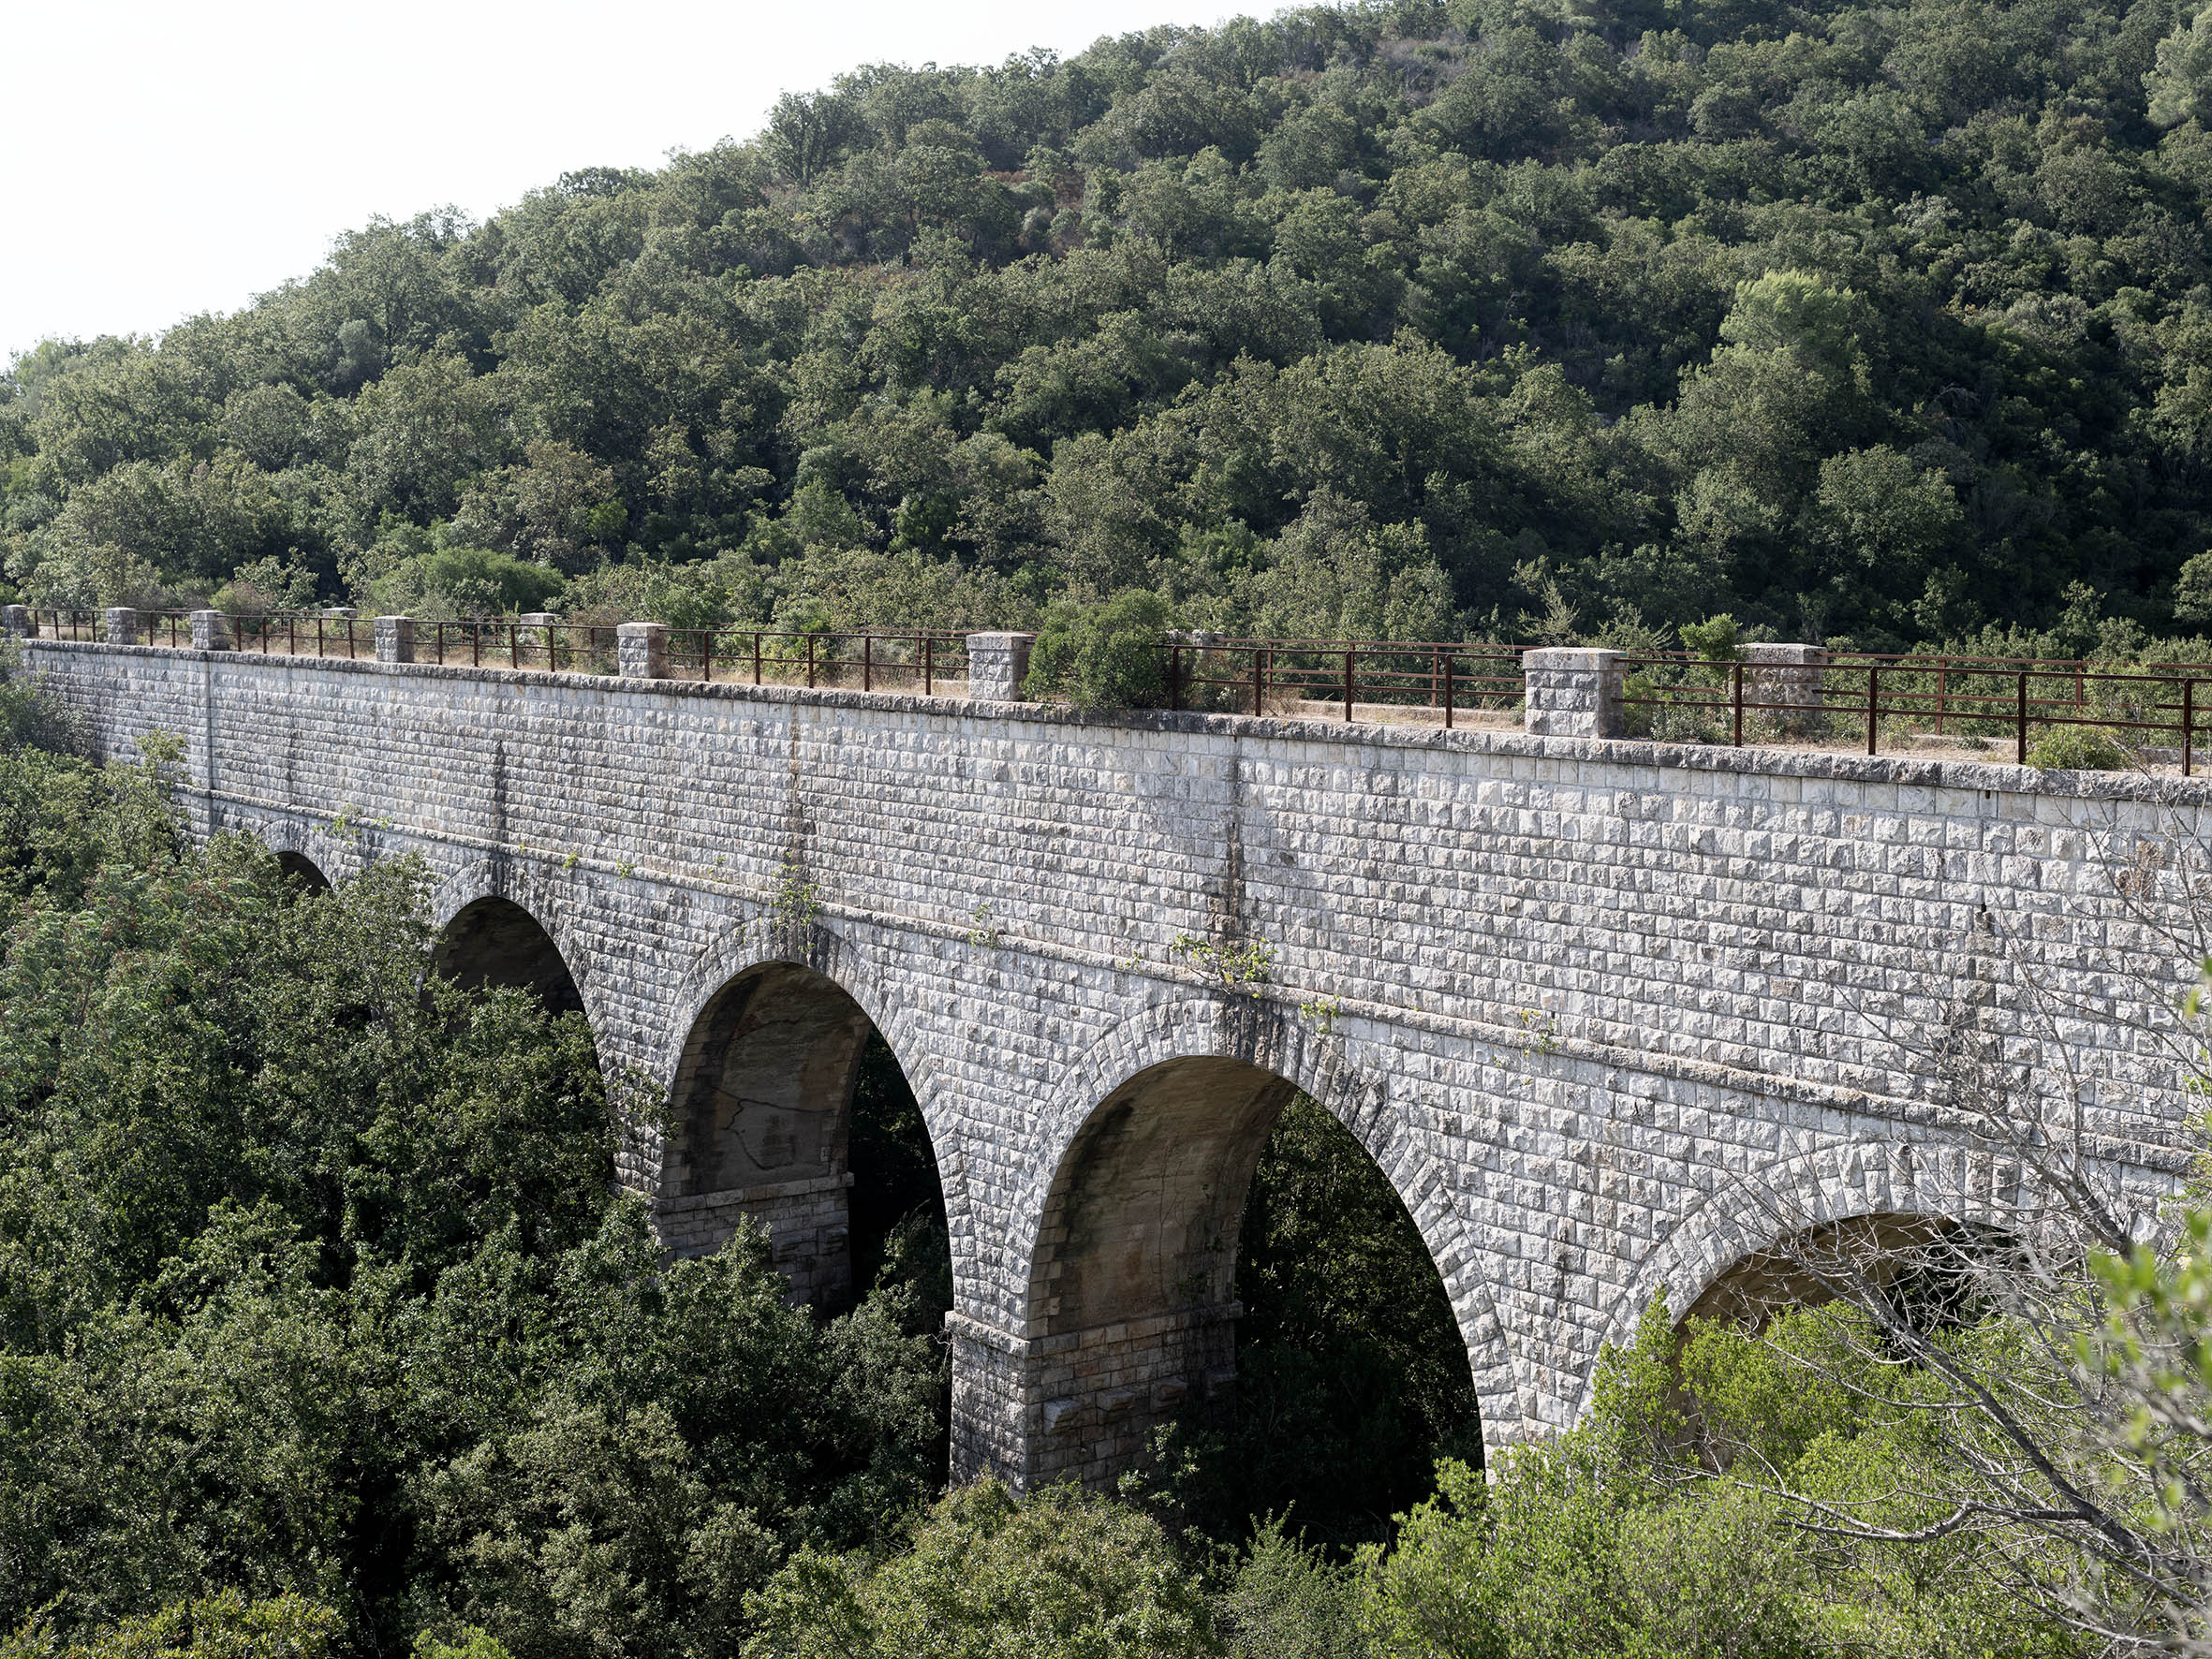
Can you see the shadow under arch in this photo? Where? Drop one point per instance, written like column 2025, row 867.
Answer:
column 289, row 839
column 762, row 1119
column 1921, row 1264
column 494, row 943
column 1133, row 1304
column 301, row 871
column 1024, row 1414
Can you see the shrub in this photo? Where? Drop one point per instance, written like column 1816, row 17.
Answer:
column 263, row 585
column 1717, row 640
column 2078, row 748
column 1103, row 656
column 1288, row 1602
column 1061, row 1574
column 464, row 582
column 224, row 1626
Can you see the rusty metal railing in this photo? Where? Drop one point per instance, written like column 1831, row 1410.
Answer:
column 1825, row 700
column 913, row 659
column 1254, row 676
column 1862, row 697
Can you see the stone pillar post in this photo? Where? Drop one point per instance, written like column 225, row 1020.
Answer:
column 641, row 650
column 19, row 623
column 341, row 612
column 211, row 631
column 1792, row 675
column 122, row 626
column 539, row 619
column 996, row 666
column 395, row 638
column 1572, row 692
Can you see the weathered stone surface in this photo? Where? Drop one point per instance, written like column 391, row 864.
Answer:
column 641, row 650
column 1572, row 692
column 1789, row 680
column 211, row 631
column 996, row 666
column 395, row 639
column 1605, row 1012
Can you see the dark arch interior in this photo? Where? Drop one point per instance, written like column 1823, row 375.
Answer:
column 1209, row 1197
column 766, row 1081
column 497, row 944
column 1142, row 1219
column 1925, row 1265
column 792, row 1110
column 302, row 873
column 1353, row 1377
column 899, row 1231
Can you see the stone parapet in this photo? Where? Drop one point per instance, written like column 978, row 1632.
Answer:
column 1572, row 692
column 18, row 622
column 123, row 625
column 211, row 631
column 997, row 664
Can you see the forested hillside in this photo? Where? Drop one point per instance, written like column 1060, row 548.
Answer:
column 1880, row 324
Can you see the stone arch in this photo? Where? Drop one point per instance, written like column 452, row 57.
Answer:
column 304, row 849
column 835, row 956
column 1165, row 1115
column 1846, row 1181
column 501, row 925
column 762, row 1062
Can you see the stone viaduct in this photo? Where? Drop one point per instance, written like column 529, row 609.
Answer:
column 1610, row 1015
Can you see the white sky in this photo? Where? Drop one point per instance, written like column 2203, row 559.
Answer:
column 163, row 160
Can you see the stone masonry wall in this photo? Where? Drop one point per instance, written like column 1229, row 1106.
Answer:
column 1607, row 1013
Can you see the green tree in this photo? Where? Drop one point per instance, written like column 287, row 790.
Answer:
column 1062, row 1576
column 1110, row 655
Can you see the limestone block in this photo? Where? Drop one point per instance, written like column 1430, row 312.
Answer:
column 122, row 626
column 996, row 666
column 211, row 631
column 395, row 638
column 19, row 622
column 1572, row 692
column 641, row 650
